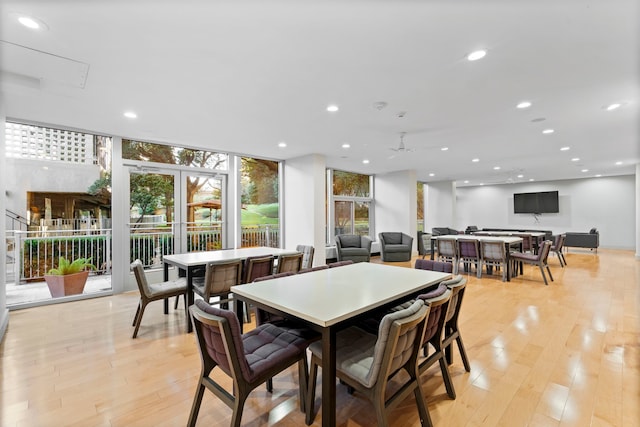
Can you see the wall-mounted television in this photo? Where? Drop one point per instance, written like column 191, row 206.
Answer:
column 536, row 203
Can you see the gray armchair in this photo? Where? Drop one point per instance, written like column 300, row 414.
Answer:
column 353, row 247
column 395, row 246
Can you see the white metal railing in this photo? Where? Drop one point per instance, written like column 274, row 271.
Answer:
column 33, row 253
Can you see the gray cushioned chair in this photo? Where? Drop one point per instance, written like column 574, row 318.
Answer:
column 395, row 246
column 353, row 247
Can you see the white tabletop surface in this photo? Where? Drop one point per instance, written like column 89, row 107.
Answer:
column 199, row 258
column 326, row 297
column 506, row 239
column 511, row 233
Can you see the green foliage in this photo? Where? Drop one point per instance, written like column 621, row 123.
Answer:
column 260, row 214
column 350, row 184
column 65, row 267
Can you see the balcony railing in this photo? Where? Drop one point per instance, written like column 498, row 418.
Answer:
column 33, row 253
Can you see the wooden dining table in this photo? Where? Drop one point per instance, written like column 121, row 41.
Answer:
column 332, row 299
column 191, row 261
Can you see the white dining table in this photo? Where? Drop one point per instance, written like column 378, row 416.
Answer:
column 190, row 261
column 331, row 299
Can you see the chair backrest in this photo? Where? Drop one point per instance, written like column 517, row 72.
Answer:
column 427, row 264
column 257, row 266
column 390, row 237
column 353, row 241
column 399, row 340
column 340, row 263
column 274, row 276
column 457, row 287
column 316, row 268
column 493, row 251
column 424, row 243
column 292, row 263
column 559, row 243
column 527, row 241
column 543, row 251
column 468, row 248
column 220, row 339
column 447, row 247
column 438, row 299
column 307, row 255
column 220, row 276
column 141, row 278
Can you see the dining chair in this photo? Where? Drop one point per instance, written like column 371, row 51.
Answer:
column 469, row 253
column 263, row 316
column 289, row 262
column 366, row 362
column 307, row 255
column 424, row 243
column 457, row 286
column 340, row 263
column 316, row 268
column 527, row 241
column 493, row 254
column 447, row 251
column 427, row 264
column 556, row 248
column 219, row 276
column 539, row 259
column 257, row 266
column 154, row 292
column 438, row 300
column 249, row 359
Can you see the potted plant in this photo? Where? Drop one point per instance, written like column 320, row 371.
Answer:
column 69, row 278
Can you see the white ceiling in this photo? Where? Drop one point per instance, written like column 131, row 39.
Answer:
column 244, row 75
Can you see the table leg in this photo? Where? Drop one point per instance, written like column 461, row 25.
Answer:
column 189, row 297
column 432, row 248
column 166, row 279
column 328, row 377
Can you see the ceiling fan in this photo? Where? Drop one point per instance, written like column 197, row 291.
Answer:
column 401, row 147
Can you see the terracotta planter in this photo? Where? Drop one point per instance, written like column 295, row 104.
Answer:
column 69, row 284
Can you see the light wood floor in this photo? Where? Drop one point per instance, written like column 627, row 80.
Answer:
column 563, row 355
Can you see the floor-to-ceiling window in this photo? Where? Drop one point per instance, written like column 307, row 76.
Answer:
column 260, row 213
column 420, row 206
column 350, row 204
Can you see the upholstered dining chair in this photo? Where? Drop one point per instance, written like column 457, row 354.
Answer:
column 340, row 263
column 556, row 248
column 353, row 247
column 257, row 266
column 316, row 268
column 424, row 243
column 290, row 262
column 469, row 253
column 219, row 276
column 539, row 259
column 448, row 251
column 154, row 292
column 250, row 359
column 494, row 255
column 307, row 255
column 366, row 362
column 427, row 264
column 527, row 242
column 457, row 286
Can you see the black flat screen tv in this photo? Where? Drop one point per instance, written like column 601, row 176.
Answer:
column 536, row 203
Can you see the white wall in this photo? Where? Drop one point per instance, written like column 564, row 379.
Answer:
column 607, row 203
column 440, row 199
column 395, row 202
column 304, row 204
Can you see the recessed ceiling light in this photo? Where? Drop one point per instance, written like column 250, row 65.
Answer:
column 614, row 106
column 598, row 176
column 584, row 170
column 531, row 179
column 520, row 176
column 432, row 174
column 618, row 163
column 482, row 183
column 282, row 144
column 478, row 54
column 548, row 131
column 130, row 115
column 575, row 159
column 565, row 148
column 524, row 104
column 496, row 168
column 466, row 181
column 475, row 160
column 45, row 168
column 32, row 23
column 332, row 108
column 365, row 161
column 346, row 146
column 444, row 148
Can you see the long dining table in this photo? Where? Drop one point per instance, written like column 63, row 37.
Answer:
column 509, row 242
column 191, row 261
column 332, row 299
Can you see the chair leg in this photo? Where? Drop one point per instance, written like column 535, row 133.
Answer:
column 269, row 384
column 195, row 407
column 311, row 391
column 238, row 406
column 463, row 353
column 549, row 270
column 135, row 318
column 303, row 380
column 139, row 319
column 448, row 384
column 563, row 258
column 423, row 411
column 544, row 276
column 175, row 305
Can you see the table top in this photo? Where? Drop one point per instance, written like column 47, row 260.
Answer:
column 511, row 233
column 199, row 258
column 505, row 239
column 327, row 297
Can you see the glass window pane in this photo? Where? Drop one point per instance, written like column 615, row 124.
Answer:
column 344, row 224
column 361, row 217
column 158, row 153
column 260, row 214
column 350, row 184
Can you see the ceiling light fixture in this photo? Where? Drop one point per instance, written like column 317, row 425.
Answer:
column 565, row 148
column 345, row 146
column 32, row 23
column 548, row 131
column 618, row 163
column 531, row 179
column 332, row 108
column 520, row 176
column 523, row 104
column 130, row 115
column 432, row 174
column 466, row 181
column 575, row 159
column 496, row 168
column 365, row 161
column 598, row 176
column 282, row 144
column 478, row 54
column 614, row 106
column 584, row 170
column 475, row 160
column 444, row 148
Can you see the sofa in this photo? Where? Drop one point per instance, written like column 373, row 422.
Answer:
column 395, row 246
column 590, row 240
column 443, row 231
